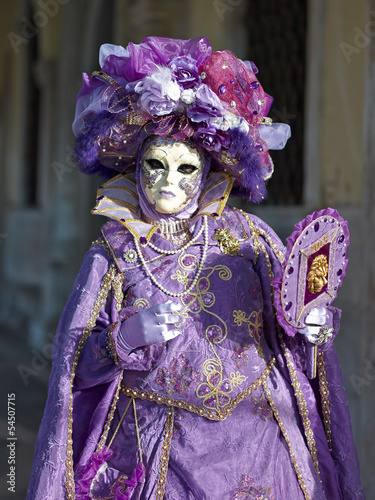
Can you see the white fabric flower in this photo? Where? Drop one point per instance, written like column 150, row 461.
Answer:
column 229, row 120
column 173, row 90
column 188, row 96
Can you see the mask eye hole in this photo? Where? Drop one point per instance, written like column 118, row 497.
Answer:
column 154, row 164
column 187, row 169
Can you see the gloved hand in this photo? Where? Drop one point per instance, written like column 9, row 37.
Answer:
column 318, row 327
column 150, row 326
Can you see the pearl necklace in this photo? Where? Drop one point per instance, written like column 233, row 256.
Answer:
column 200, row 267
column 179, row 249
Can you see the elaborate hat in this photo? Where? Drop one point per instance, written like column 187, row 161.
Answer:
column 180, row 89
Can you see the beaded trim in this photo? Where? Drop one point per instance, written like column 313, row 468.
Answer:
column 324, row 393
column 117, row 285
column 253, row 233
column 291, row 452
column 304, row 412
column 279, row 254
column 103, row 76
column 101, row 298
column 101, row 243
column 257, row 231
column 202, row 412
column 258, row 245
column 111, row 413
column 164, row 460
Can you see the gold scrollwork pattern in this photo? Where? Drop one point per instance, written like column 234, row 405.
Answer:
column 141, row 303
column 255, row 326
column 202, row 412
column 181, row 277
column 215, row 391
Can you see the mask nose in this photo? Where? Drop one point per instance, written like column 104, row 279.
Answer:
column 170, row 177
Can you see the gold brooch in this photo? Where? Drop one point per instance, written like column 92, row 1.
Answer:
column 227, row 243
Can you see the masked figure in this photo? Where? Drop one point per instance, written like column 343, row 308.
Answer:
column 171, row 376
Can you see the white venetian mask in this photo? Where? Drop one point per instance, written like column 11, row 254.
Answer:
column 171, row 174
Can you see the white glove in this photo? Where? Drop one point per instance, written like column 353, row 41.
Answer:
column 150, row 326
column 318, row 327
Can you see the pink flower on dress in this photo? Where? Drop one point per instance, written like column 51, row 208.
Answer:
column 246, row 490
column 240, row 354
column 262, row 407
column 179, row 377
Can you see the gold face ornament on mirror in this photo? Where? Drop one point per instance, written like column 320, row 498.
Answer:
column 171, row 174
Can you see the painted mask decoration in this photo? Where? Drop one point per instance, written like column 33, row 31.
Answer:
column 171, row 174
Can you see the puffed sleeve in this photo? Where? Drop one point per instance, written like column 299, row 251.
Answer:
column 101, row 358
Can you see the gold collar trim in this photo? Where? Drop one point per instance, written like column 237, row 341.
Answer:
column 118, row 200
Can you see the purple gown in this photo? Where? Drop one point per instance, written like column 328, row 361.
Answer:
column 224, row 411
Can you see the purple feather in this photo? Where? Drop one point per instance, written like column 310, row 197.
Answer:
column 86, row 149
column 252, row 184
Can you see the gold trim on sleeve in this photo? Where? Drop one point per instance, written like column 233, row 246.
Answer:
column 304, row 412
column 257, row 231
column 118, row 282
column 253, row 233
column 324, row 393
column 101, row 243
column 99, row 302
